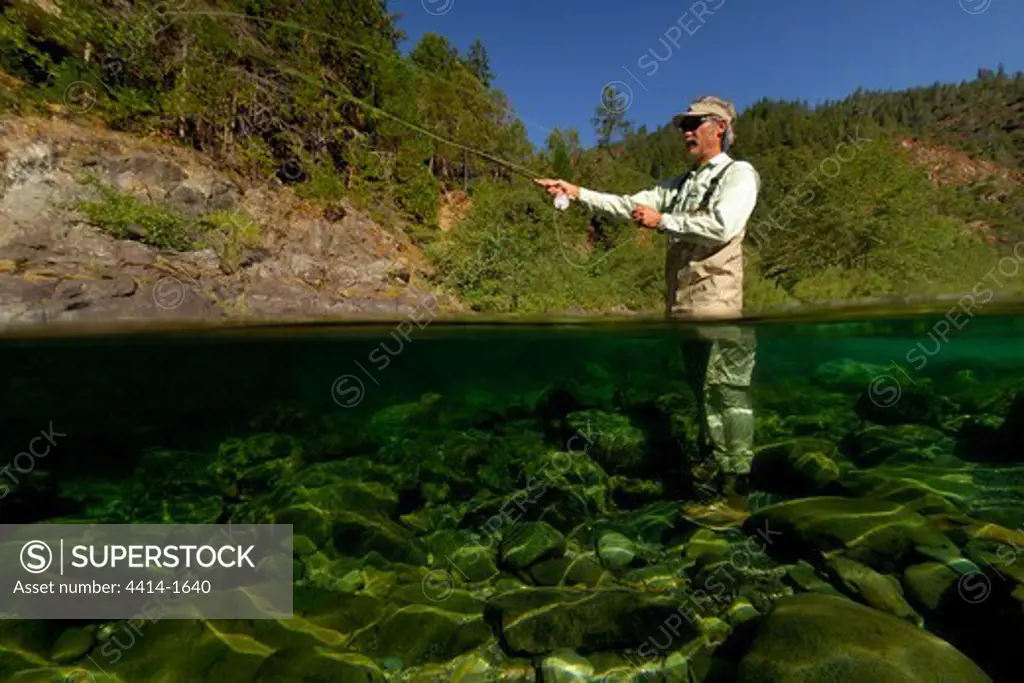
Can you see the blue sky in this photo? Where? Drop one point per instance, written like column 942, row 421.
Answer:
column 553, row 58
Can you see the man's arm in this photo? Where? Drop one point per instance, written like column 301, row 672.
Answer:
column 623, row 205
column 618, row 205
column 727, row 214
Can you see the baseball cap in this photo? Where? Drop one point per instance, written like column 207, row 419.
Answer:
column 708, row 105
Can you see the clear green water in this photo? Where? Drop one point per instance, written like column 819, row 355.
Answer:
column 402, row 453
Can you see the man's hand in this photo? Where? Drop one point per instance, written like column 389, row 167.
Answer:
column 647, row 217
column 557, row 187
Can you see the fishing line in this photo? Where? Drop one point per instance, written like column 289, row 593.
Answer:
column 348, row 96
column 561, row 201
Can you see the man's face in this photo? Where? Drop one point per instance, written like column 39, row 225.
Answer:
column 702, row 134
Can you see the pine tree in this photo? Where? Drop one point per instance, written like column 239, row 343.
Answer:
column 610, row 116
column 479, row 63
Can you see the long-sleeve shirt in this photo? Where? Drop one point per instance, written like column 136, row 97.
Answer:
column 729, row 209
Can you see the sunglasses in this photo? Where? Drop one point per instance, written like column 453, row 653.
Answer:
column 691, row 123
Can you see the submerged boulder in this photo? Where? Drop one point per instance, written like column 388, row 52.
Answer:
column 246, row 466
column 355, row 535
column 530, row 542
column 813, row 638
column 615, row 550
column 795, row 467
column 611, row 439
column 878, row 533
column 897, row 444
column 928, row 583
column 846, row 375
column 189, row 493
column 877, row 590
column 417, row 634
column 887, row 402
column 310, row 665
column 566, row 666
column 542, row 620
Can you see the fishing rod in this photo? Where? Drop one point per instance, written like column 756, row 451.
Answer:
column 349, row 97
column 517, row 169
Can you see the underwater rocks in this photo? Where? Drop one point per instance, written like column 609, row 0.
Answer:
column 73, row 644
column 629, row 494
column 530, row 542
column 795, row 467
column 611, row 439
column 905, row 405
column 462, row 555
column 581, row 570
column 880, row 534
column 404, row 419
column 542, row 620
column 927, row 583
column 561, row 507
column 357, row 535
column 804, row 577
column 615, row 550
column 980, row 491
column 897, row 444
column 248, row 466
column 416, row 634
column 846, row 375
column 357, row 496
column 566, row 666
column 546, row 543
column 877, row 590
column 992, row 437
column 315, row 665
column 188, row 492
column 821, row 639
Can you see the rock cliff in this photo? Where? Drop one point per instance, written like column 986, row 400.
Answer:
column 307, row 262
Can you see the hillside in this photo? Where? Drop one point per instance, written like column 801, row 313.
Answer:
column 878, row 195
column 68, row 193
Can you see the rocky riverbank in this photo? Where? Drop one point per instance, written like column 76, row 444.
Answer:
column 445, row 540
column 304, row 260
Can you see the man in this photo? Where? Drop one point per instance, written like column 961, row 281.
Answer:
column 704, row 213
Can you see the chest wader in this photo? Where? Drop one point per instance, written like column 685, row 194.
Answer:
column 719, row 365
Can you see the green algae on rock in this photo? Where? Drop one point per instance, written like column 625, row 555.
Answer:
column 814, row 638
column 73, row 644
column 880, row 534
column 356, row 534
column 447, row 539
column 417, row 634
column 566, row 666
column 896, row 444
column 804, row 576
column 611, row 439
column 881, row 592
column 542, row 620
column 530, row 542
column 615, row 550
column 927, row 583
column 314, row 664
column 796, row 467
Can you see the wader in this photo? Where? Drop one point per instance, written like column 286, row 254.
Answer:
column 707, row 282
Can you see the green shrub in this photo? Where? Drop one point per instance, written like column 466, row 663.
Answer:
column 125, row 217
column 228, row 233
column 324, row 184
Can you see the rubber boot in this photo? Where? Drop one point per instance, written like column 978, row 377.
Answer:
column 726, row 510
